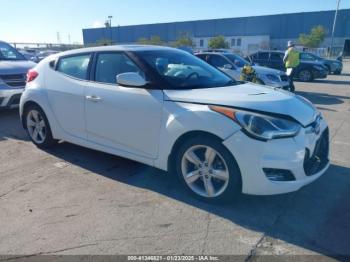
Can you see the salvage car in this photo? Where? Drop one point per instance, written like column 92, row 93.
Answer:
column 232, row 65
column 13, row 69
column 169, row 109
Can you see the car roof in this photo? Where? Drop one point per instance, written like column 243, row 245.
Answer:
column 117, row 48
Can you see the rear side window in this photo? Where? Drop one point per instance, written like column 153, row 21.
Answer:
column 264, row 56
column 75, row 66
column 110, row 65
column 276, row 56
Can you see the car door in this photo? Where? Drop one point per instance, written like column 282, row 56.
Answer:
column 118, row 117
column 224, row 65
column 65, row 85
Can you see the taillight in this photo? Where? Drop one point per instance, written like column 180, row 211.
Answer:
column 31, row 75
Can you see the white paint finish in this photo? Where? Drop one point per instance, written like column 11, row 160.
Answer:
column 143, row 125
column 124, row 118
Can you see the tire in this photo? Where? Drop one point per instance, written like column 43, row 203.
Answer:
column 305, row 76
column 218, row 180
column 38, row 127
column 337, row 73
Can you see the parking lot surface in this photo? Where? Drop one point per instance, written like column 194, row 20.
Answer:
column 71, row 200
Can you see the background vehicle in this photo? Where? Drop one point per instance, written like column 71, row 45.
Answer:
column 307, row 70
column 232, row 65
column 13, row 70
column 178, row 114
column 333, row 66
column 30, row 56
column 43, row 54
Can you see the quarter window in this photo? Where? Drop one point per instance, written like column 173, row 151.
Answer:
column 75, row 66
column 112, row 64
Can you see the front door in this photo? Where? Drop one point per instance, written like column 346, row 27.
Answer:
column 122, row 118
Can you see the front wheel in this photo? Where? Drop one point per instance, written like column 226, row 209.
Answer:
column 305, row 76
column 208, row 170
column 38, row 127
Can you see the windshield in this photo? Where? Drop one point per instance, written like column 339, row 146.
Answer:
column 7, row 52
column 181, row 70
column 237, row 60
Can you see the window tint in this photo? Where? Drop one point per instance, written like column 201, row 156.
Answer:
column 276, row 56
column 264, row 56
column 218, row 61
column 75, row 66
column 307, row 57
column 113, row 64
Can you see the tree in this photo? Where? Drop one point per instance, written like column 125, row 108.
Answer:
column 315, row 38
column 184, row 40
column 218, row 42
column 154, row 40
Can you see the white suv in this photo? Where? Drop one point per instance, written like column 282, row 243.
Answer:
column 168, row 109
column 13, row 69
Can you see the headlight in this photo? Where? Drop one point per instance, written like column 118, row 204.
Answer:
column 259, row 126
column 273, row 78
column 319, row 68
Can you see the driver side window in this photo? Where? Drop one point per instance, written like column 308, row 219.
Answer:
column 109, row 65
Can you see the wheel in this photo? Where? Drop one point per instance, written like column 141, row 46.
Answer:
column 38, row 127
column 208, row 170
column 305, row 75
column 337, row 72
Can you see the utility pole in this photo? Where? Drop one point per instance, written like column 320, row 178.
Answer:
column 334, row 27
column 110, row 27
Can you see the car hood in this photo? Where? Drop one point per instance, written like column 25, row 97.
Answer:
column 15, row 67
column 250, row 97
column 265, row 70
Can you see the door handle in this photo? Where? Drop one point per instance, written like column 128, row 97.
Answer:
column 93, row 98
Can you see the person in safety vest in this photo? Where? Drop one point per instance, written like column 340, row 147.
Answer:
column 292, row 61
column 248, row 74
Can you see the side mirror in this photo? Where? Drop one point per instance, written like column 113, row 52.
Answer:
column 131, row 80
column 228, row 66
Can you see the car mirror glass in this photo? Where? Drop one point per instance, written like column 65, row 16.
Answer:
column 131, row 79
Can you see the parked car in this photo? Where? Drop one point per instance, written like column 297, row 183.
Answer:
column 307, row 71
column 30, row 56
column 232, row 65
column 46, row 53
column 333, row 66
column 13, row 70
column 169, row 109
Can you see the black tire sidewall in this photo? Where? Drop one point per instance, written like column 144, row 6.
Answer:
column 49, row 140
column 234, row 187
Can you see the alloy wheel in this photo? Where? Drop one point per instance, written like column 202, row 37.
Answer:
column 305, row 75
column 205, row 171
column 36, row 126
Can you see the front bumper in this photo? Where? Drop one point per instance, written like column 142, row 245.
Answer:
column 291, row 154
column 10, row 98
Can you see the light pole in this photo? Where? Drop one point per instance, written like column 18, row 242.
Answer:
column 334, row 26
column 110, row 27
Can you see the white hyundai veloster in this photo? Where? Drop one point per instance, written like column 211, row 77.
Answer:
column 168, row 109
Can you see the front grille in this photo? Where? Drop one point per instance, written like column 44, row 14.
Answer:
column 320, row 159
column 18, row 80
column 284, row 78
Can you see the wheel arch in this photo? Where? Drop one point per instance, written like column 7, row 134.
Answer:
column 182, row 139
column 26, row 105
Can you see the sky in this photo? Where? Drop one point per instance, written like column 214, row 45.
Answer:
column 40, row 20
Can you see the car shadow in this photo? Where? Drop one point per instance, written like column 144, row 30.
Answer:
column 333, row 82
column 315, row 218
column 323, row 98
column 10, row 125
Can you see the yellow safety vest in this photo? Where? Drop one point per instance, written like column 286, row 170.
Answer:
column 293, row 59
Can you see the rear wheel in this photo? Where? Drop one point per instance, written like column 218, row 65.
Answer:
column 208, row 170
column 305, row 75
column 38, row 127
